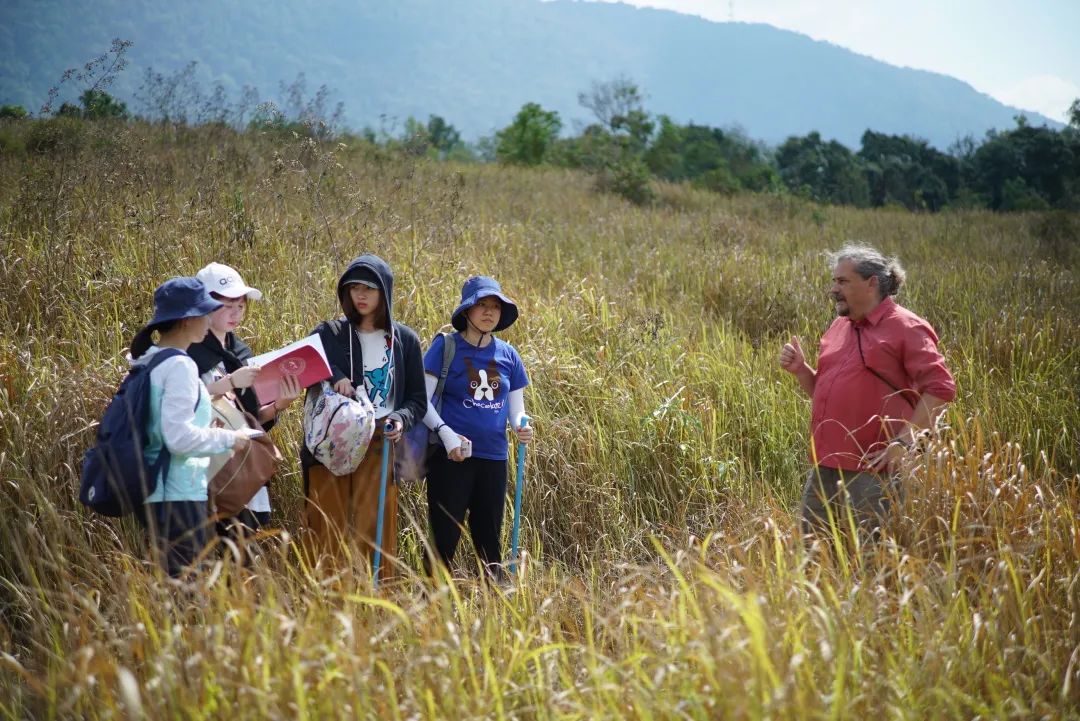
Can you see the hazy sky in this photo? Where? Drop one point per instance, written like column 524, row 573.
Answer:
column 1025, row 53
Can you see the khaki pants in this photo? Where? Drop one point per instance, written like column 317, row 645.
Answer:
column 830, row 494
column 345, row 509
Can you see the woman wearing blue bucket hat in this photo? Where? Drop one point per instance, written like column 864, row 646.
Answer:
column 179, row 420
column 483, row 392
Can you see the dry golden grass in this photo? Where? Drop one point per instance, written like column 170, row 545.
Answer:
column 665, row 579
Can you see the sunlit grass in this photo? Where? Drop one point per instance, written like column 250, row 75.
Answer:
column 665, row 578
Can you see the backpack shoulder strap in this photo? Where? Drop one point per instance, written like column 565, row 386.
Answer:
column 161, row 356
column 449, row 346
column 160, row 467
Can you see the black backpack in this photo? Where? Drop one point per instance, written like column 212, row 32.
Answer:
column 116, row 477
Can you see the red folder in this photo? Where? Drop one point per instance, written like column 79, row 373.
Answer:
column 305, row 359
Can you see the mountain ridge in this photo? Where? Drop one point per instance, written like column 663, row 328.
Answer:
column 475, row 62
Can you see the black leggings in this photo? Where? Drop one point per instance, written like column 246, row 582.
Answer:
column 476, row 485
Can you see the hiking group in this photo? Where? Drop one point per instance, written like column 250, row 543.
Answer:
column 188, row 416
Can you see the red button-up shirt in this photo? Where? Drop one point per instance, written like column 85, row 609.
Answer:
column 855, row 412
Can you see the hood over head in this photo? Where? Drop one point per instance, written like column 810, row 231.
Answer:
column 367, row 269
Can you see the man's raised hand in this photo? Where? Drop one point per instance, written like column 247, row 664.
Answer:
column 792, row 358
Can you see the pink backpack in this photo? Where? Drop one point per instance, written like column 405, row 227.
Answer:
column 338, row 429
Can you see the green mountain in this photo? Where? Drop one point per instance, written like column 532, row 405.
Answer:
column 475, row 62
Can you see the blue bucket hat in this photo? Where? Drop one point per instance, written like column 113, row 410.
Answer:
column 179, row 298
column 476, row 289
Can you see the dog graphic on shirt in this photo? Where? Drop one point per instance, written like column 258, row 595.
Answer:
column 485, row 382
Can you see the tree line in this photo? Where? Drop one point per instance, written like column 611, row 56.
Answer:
column 624, row 146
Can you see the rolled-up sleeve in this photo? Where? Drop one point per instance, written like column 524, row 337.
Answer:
column 925, row 365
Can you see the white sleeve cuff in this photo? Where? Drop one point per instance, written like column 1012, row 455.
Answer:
column 450, row 440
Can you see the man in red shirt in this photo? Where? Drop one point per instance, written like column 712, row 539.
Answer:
column 880, row 381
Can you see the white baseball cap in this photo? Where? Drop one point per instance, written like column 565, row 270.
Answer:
column 225, row 281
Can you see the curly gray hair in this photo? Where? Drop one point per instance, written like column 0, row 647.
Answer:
column 871, row 262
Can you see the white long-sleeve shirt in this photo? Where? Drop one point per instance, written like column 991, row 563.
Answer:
column 180, row 421
column 447, row 435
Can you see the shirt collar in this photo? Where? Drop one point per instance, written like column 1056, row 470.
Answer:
column 880, row 311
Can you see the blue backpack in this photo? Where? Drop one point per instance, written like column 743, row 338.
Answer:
column 116, row 477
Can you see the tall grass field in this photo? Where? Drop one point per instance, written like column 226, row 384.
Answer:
column 665, row 577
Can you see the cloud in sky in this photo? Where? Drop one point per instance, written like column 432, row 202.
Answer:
column 1046, row 94
column 1022, row 53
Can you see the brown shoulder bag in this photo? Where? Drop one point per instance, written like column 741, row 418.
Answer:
column 235, row 482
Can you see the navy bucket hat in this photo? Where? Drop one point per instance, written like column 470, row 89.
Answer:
column 476, row 289
column 179, row 298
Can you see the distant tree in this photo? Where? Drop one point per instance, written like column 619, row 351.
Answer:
column 436, row 139
column 97, row 74
column 824, row 171
column 1074, row 115
column 527, row 139
column 614, row 147
column 12, row 112
column 1045, row 160
column 721, row 160
column 415, row 139
column 98, row 104
column 618, row 105
column 444, row 137
column 68, row 110
column 907, row 171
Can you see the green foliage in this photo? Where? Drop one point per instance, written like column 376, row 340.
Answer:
column 719, row 180
column 1016, row 195
column 12, row 112
column 98, row 105
column 629, row 178
column 69, row 110
column 826, row 172
column 906, row 171
column 721, row 160
column 1027, row 168
column 614, row 147
column 618, row 106
column 436, row 139
column 445, row 138
column 527, row 140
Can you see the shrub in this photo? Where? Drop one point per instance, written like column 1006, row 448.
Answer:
column 56, row 135
column 628, row 178
column 12, row 112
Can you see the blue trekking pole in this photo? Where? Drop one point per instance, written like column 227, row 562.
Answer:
column 387, row 427
column 517, row 500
